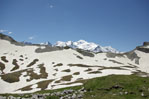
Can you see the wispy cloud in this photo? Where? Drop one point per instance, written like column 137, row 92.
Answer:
column 31, row 37
column 50, row 5
column 2, row 31
column 9, row 32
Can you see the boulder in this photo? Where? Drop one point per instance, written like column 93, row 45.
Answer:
column 74, row 96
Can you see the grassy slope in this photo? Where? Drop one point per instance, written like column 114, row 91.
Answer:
column 117, row 87
column 112, row 87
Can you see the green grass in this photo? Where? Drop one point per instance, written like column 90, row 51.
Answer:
column 103, row 87
column 52, row 97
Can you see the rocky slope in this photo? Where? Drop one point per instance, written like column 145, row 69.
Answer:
column 29, row 68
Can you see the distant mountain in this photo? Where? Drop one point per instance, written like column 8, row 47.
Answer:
column 46, row 43
column 28, row 43
column 89, row 46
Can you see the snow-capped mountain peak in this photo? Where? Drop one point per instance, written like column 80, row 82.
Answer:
column 90, row 46
column 60, row 43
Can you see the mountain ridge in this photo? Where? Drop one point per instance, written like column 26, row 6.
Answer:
column 90, row 46
column 31, row 68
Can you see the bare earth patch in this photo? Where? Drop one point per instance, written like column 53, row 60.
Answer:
column 44, row 84
column 76, row 73
column 117, row 68
column 32, row 63
column 89, row 69
column 94, row 72
column 27, row 88
column 21, row 56
column 33, row 75
column 12, row 77
column 21, row 59
column 66, row 70
column 2, row 67
column 3, row 58
column 14, row 62
column 66, row 78
column 78, row 56
column 115, row 61
column 59, row 64
column 82, row 65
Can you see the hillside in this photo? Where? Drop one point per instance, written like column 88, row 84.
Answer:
column 30, row 68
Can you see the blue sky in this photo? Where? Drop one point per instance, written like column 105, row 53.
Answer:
column 122, row 24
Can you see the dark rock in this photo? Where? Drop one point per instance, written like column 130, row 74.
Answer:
column 88, row 90
column 74, row 96
column 131, row 92
column 80, row 95
column 117, row 87
column 146, row 50
column 140, row 90
column 145, row 43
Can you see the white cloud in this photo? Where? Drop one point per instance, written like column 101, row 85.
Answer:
column 9, row 32
column 31, row 37
column 51, row 6
column 2, row 31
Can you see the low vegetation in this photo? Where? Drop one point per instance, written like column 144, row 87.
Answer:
column 117, row 87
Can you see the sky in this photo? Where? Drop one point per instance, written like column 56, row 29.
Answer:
column 122, row 24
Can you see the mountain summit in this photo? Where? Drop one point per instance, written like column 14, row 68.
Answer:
column 89, row 46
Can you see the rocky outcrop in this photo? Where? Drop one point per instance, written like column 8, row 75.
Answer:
column 144, row 47
column 5, row 37
column 146, row 44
